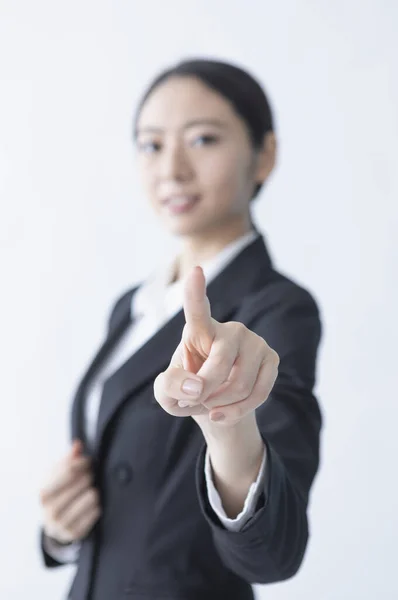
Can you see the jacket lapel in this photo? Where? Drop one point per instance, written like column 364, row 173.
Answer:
column 244, row 274
column 115, row 334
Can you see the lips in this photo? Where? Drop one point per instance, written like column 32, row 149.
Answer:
column 180, row 203
column 179, row 199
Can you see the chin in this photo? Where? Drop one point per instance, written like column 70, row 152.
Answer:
column 190, row 227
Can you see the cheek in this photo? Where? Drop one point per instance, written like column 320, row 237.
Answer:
column 225, row 176
column 147, row 177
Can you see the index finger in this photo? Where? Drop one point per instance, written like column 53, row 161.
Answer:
column 196, row 303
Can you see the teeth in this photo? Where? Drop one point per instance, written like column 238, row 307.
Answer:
column 180, row 200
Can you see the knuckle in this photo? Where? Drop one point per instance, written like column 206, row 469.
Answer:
column 92, row 496
column 54, row 515
column 233, row 328
column 84, row 529
column 276, row 358
column 242, row 388
column 218, row 358
column 79, row 529
column 96, row 514
column 157, row 381
column 160, row 386
column 86, row 479
column 261, row 343
column 167, row 384
column 81, row 466
column 239, row 328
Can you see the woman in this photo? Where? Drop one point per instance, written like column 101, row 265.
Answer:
column 196, row 433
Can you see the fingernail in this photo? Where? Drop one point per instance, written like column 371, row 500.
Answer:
column 192, row 387
column 182, row 404
column 218, row 417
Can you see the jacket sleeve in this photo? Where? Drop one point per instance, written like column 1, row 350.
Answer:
column 271, row 545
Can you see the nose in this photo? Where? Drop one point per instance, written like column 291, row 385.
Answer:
column 175, row 164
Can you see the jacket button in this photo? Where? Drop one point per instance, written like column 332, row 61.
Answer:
column 123, row 473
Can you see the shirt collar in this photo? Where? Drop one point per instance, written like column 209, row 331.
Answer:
column 161, row 297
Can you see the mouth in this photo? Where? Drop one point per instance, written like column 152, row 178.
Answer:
column 177, row 204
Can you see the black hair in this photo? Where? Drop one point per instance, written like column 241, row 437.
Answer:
column 236, row 85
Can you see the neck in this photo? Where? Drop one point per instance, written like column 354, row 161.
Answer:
column 205, row 246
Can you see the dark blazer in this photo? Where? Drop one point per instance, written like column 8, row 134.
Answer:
column 158, row 536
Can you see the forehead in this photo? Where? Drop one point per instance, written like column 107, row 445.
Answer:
column 182, row 99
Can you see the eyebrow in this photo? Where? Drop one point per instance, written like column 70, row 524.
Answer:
column 188, row 125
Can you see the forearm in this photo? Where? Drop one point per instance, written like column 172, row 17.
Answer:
column 235, row 455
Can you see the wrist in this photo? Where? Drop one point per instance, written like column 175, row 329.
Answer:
column 236, row 452
column 228, row 436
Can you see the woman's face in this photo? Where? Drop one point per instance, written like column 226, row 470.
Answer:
column 196, row 160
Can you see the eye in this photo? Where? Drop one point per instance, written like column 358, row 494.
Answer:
column 205, row 140
column 148, row 147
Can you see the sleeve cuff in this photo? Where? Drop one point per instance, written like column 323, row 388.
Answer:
column 257, row 529
column 251, row 500
column 61, row 554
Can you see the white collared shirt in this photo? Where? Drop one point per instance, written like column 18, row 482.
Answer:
column 154, row 303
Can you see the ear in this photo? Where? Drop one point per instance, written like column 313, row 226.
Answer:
column 266, row 158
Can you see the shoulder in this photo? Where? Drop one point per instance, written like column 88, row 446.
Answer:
column 281, row 295
column 285, row 314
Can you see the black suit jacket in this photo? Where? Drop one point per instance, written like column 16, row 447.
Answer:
column 158, row 536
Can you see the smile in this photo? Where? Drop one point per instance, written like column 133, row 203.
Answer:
column 180, row 203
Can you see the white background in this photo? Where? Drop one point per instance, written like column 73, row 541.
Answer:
column 75, row 231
